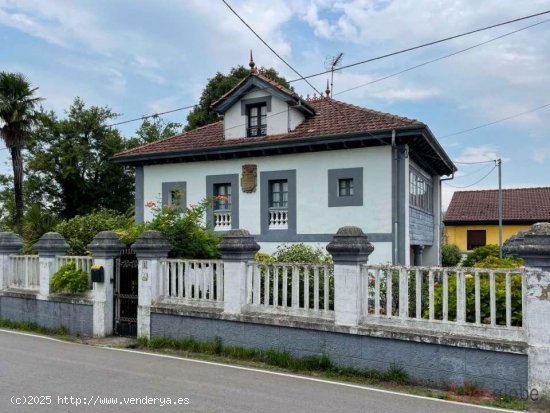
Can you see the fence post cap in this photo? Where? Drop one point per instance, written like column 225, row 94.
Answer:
column 533, row 245
column 238, row 245
column 10, row 243
column 350, row 246
column 106, row 244
column 51, row 244
column 151, row 244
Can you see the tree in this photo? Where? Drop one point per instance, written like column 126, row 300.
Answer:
column 152, row 130
column 71, row 160
column 219, row 85
column 17, row 113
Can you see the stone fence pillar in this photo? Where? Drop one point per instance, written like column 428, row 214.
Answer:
column 533, row 246
column 237, row 248
column 105, row 247
column 150, row 248
column 49, row 247
column 350, row 249
column 10, row 243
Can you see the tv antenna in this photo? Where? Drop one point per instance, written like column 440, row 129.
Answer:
column 331, row 63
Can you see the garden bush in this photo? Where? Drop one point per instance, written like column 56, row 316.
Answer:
column 299, row 253
column 479, row 254
column 500, row 295
column 81, row 230
column 450, row 255
column 69, row 279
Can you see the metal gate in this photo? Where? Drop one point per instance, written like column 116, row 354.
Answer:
column 126, row 294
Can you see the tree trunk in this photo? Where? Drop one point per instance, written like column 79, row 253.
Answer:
column 17, row 163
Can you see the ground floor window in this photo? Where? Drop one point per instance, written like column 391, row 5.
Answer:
column 476, row 238
column 222, row 192
column 278, row 194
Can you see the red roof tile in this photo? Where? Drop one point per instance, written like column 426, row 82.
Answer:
column 332, row 118
column 525, row 205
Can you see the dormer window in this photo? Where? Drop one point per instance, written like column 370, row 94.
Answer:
column 257, row 119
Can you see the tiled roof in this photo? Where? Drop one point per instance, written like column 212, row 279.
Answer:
column 259, row 75
column 525, row 205
column 332, row 118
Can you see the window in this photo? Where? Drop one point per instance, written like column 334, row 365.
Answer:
column 278, row 191
column 345, row 187
column 257, row 120
column 476, row 238
column 173, row 194
column 222, row 190
column 420, row 195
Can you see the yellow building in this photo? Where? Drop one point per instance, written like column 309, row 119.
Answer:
column 472, row 217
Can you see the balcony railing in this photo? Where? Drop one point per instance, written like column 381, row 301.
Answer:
column 278, row 218
column 222, row 220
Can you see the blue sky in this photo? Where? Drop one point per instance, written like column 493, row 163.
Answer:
column 142, row 57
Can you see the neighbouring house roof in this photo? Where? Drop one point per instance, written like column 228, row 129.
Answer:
column 519, row 206
column 332, row 124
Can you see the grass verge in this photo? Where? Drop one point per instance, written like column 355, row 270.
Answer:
column 60, row 332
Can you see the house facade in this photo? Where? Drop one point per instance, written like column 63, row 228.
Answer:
column 471, row 220
column 295, row 170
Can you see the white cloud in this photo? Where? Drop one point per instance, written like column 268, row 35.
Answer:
column 481, row 153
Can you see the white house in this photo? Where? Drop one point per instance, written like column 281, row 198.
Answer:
column 296, row 170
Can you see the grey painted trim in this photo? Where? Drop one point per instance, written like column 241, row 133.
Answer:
column 253, row 101
column 168, row 187
column 401, row 194
column 279, row 235
column 373, row 237
column 334, row 175
column 232, row 179
column 139, row 208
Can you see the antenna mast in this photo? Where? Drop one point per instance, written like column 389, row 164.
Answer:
column 330, row 64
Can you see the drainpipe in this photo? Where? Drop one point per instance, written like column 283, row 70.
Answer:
column 395, row 194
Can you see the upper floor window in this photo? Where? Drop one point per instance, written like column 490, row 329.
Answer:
column 420, row 195
column 345, row 187
column 222, row 192
column 278, row 194
column 257, row 120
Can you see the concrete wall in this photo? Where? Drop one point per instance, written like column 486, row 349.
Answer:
column 74, row 315
column 316, row 222
column 433, row 364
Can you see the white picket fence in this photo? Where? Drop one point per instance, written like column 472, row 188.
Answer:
column 482, row 301
column 24, row 272
column 293, row 289
column 192, row 282
column 82, row 262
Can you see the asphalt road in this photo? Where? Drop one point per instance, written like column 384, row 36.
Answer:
column 33, row 368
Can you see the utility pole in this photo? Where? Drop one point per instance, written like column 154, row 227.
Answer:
column 499, row 164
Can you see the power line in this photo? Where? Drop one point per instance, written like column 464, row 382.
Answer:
column 475, row 183
column 422, row 45
column 495, row 122
column 474, row 163
column 439, row 58
column 154, row 115
column 269, row 47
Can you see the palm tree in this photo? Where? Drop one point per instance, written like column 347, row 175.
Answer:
column 17, row 116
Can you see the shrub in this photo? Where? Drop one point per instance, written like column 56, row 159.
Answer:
column 479, row 254
column 81, row 230
column 185, row 230
column 69, row 279
column 301, row 253
column 265, row 258
column 450, row 255
column 485, row 311
column 495, row 262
